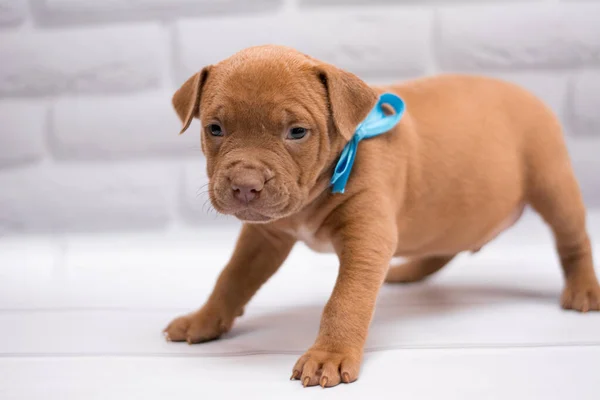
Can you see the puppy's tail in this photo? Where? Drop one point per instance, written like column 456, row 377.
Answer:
column 417, row 269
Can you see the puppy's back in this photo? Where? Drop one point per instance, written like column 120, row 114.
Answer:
column 474, row 146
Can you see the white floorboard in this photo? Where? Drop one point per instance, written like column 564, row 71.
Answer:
column 539, row 373
column 81, row 318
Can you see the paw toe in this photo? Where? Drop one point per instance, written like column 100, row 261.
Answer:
column 176, row 331
column 349, row 370
column 581, row 299
column 325, row 368
column 330, row 374
column 309, row 373
column 195, row 328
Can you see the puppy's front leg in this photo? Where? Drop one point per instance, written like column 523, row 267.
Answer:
column 365, row 247
column 258, row 254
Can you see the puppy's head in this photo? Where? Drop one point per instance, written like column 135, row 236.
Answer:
column 274, row 122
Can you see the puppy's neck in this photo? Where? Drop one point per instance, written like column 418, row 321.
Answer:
column 320, row 188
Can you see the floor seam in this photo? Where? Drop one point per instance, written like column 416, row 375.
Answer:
column 474, row 346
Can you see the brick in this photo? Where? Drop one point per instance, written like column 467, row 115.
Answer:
column 12, row 12
column 195, row 205
column 98, row 60
column 391, row 42
column 381, row 42
column 353, row 2
column 22, row 136
column 85, row 197
column 518, row 36
column 584, row 115
column 326, row 3
column 117, row 127
column 58, row 12
column 584, row 157
column 196, row 48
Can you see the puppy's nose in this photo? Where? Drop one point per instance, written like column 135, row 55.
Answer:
column 247, row 189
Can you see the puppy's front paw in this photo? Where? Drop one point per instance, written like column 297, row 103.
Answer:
column 581, row 296
column 200, row 326
column 327, row 368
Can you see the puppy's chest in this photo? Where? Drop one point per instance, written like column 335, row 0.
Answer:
column 315, row 241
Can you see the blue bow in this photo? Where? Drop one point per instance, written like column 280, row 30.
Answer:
column 375, row 124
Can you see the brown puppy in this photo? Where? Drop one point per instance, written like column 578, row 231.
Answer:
column 465, row 159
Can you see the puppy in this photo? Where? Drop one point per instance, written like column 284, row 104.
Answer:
column 466, row 157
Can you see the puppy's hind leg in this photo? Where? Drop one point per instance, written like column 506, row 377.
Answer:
column 556, row 196
column 416, row 269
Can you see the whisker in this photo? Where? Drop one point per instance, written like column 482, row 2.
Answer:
column 202, row 187
column 206, row 202
column 207, row 206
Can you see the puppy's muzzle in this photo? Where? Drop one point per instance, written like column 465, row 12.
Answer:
column 249, row 189
column 247, row 185
column 246, row 182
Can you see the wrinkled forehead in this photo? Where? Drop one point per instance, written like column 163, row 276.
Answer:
column 264, row 90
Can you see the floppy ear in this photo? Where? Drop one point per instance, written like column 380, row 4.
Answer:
column 186, row 99
column 350, row 99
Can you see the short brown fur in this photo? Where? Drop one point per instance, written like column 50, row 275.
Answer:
column 467, row 156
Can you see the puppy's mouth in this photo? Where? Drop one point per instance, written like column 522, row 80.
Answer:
column 249, row 215
column 269, row 206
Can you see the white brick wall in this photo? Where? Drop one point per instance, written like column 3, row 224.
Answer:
column 12, row 12
column 88, row 60
column 88, row 140
column 123, row 126
column 62, row 12
column 584, row 105
column 513, row 35
column 81, row 197
column 22, row 131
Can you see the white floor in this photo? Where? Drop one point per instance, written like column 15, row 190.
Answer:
column 81, row 318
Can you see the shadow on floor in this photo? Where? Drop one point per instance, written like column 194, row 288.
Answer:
column 401, row 311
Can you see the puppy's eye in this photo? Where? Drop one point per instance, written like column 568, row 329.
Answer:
column 296, row 133
column 215, row 130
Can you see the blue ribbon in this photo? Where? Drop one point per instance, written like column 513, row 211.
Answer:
column 375, row 124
